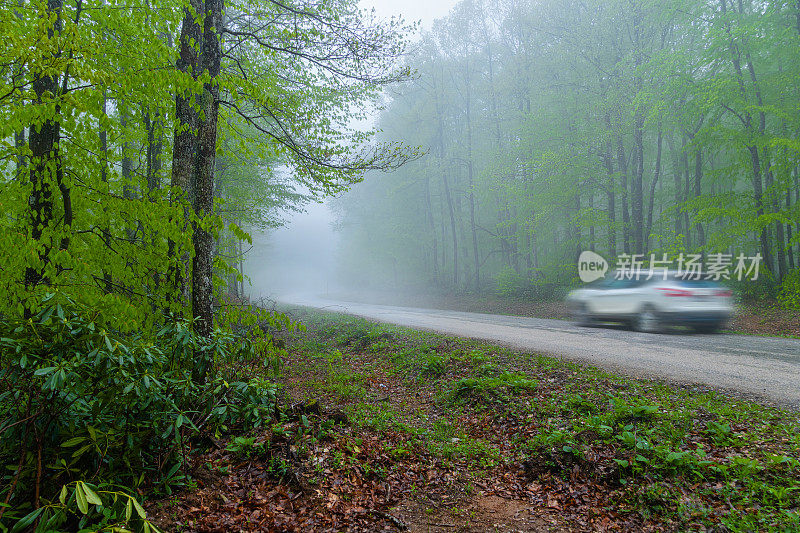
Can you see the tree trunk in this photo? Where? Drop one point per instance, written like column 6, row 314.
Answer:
column 432, row 229
column 470, row 178
column 789, row 248
column 755, row 159
column 686, row 188
column 637, row 200
column 626, row 220
column 766, row 252
column 185, row 140
column 449, row 199
column 780, row 245
column 612, row 208
column 43, row 144
column 676, row 181
column 107, row 280
column 202, row 266
column 698, row 178
column 656, row 176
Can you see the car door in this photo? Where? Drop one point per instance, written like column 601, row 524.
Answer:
column 624, row 298
column 609, row 297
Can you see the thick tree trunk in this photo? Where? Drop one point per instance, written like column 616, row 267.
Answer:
column 185, row 140
column 43, row 144
column 202, row 266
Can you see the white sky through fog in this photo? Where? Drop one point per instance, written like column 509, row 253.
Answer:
column 425, row 11
column 300, row 257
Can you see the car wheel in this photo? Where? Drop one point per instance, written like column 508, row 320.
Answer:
column 648, row 321
column 582, row 316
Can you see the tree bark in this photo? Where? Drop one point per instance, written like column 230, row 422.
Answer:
column 185, row 139
column 653, row 184
column 43, row 143
column 202, row 266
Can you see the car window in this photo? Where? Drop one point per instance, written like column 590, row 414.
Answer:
column 696, row 283
column 613, row 283
column 600, row 284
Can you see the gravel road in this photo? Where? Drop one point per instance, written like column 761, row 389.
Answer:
column 762, row 367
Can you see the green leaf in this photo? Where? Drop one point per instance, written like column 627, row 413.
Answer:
column 74, row 441
column 80, row 498
column 139, row 508
column 91, row 496
column 27, row 520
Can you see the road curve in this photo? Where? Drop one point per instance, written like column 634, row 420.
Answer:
column 764, row 367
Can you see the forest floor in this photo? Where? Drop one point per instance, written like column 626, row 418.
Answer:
column 754, row 318
column 390, row 429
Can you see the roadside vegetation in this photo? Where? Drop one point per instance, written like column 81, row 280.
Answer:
column 141, row 142
column 385, row 427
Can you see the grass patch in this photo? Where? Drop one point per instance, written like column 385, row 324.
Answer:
column 648, row 451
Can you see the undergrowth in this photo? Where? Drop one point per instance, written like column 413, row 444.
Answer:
column 671, row 455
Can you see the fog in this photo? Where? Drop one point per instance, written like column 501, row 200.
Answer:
column 553, row 128
column 301, row 256
column 298, row 258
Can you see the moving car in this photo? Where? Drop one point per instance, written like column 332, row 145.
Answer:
column 649, row 305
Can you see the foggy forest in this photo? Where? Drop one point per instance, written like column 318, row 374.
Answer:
column 556, row 127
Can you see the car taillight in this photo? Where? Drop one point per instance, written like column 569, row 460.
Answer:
column 724, row 292
column 676, row 292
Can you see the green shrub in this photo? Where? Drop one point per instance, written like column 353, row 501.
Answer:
column 510, row 283
column 433, row 365
column 764, row 288
column 489, row 389
column 81, row 401
column 789, row 292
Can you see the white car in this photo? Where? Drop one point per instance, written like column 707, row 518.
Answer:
column 651, row 304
